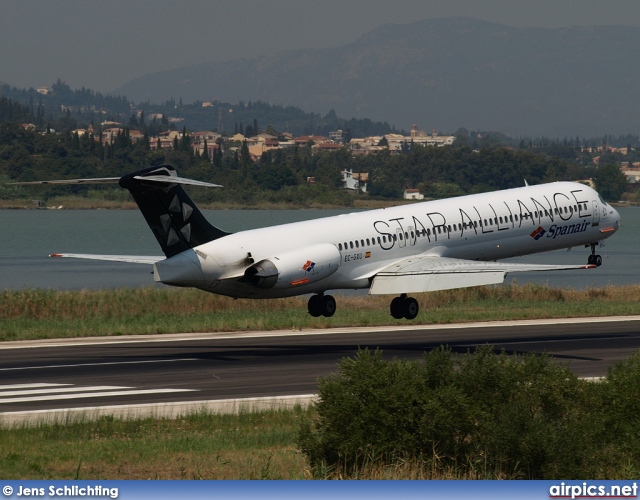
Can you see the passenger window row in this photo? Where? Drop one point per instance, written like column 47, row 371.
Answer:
column 363, row 243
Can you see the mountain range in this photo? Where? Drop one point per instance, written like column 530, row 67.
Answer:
column 439, row 73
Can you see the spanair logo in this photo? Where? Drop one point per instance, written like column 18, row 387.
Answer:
column 309, row 266
column 538, row 233
column 555, row 230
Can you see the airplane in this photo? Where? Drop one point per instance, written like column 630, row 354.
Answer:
column 422, row 247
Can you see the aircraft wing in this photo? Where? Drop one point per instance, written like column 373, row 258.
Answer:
column 430, row 273
column 133, row 259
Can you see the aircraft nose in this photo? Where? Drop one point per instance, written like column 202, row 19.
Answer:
column 615, row 215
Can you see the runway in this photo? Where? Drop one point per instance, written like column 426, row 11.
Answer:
column 116, row 371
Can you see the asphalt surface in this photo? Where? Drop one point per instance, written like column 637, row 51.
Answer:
column 79, row 373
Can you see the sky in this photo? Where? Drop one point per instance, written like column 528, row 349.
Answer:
column 104, row 44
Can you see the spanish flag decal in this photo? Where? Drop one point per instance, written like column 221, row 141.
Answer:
column 367, row 255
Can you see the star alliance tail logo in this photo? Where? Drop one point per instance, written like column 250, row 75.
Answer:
column 538, row 233
column 309, row 266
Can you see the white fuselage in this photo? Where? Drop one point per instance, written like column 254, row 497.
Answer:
column 344, row 252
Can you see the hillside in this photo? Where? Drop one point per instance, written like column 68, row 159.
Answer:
column 443, row 73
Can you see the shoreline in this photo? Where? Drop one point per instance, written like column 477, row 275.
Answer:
column 84, row 204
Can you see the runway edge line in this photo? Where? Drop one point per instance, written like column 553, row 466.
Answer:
column 241, row 334
column 154, row 410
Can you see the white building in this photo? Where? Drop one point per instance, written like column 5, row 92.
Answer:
column 413, row 194
column 421, row 138
column 354, row 181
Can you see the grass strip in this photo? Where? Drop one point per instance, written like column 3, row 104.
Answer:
column 249, row 445
column 43, row 314
column 258, row 445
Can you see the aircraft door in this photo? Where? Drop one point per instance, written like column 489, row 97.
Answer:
column 596, row 214
column 412, row 235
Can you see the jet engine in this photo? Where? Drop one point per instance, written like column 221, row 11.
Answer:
column 297, row 268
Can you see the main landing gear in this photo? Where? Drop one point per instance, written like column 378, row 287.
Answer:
column 404, row 307
column 322, row 305
column 593, row 258
column 401, row 307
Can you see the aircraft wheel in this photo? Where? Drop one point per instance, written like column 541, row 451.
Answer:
column 397, row 308
column 590, row 260
column 597, row 260
column 410, row 308
column 314, row 306
column 327, row 305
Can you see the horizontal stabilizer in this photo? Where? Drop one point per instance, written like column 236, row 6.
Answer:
column 99, row 180
column 164, row 179
column 169, row 179
column 172, row 216
column 132, row 259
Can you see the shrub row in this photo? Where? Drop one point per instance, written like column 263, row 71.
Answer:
column 481, row 414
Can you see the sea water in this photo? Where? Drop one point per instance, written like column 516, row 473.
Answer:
column 27, row 237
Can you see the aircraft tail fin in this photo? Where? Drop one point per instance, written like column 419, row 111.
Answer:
column 172, row 216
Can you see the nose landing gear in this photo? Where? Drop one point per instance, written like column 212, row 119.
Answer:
column 404, row 307
column 593, row 258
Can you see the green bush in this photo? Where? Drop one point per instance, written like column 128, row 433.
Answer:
column 481, row 414
column 619, row 398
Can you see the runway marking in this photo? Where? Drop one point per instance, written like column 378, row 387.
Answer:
column 98, row 364
column 61, row 390
column 555, row 341
column 92, row 395
column 24, row 393
column 28, row 386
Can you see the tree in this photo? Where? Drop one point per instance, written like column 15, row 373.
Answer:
column 275, row 177
column 245, row 159
column 346, row 136
column 185, row 141
column 205, row 152
column 610, row 182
